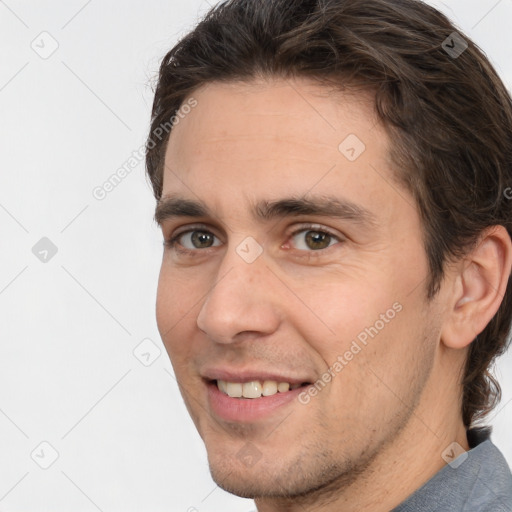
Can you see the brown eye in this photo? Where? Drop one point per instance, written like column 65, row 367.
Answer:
column 313, row 240
column 202, row 239
column 195, row 239
column 317, row 240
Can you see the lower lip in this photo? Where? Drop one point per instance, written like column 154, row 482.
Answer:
column 247, row 409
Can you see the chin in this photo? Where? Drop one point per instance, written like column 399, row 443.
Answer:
column 253, row 483
column 241, row 469
column 279, row 477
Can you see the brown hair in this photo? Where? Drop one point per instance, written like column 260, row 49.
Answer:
column 449, row 116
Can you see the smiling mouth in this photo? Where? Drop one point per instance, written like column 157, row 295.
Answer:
column 256, row 388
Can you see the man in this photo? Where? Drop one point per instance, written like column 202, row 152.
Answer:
column 331, row 182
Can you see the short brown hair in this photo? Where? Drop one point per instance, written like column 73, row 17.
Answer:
column 449, row 116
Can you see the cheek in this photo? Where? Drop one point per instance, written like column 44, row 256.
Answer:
column 369, row 322
column 337, row 311
column 386, row 357
column 175, row 301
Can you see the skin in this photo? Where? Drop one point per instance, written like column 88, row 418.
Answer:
column 376, row 432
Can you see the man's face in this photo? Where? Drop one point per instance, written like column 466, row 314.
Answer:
column 263, row 287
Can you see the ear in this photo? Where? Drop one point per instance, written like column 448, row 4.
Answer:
column 479, row 285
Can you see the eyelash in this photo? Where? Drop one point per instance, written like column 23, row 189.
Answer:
column 172, row 242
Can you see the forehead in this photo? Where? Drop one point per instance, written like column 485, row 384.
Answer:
column 281, row 111
column 258, row 140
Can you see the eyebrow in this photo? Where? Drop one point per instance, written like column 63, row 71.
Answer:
column 325, row 206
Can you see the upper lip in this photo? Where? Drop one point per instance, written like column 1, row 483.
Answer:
column 248, row 375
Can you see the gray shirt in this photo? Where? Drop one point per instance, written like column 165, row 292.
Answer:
column 481, row 483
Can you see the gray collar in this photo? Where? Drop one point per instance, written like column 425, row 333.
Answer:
column 481, row 483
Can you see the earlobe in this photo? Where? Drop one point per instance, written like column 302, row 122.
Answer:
column 480, row 285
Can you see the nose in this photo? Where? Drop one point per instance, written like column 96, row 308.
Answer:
column 242, row 303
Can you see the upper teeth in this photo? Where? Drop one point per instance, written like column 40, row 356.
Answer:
column 254, row 389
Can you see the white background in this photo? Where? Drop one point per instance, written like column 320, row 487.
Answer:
column 68, row 327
